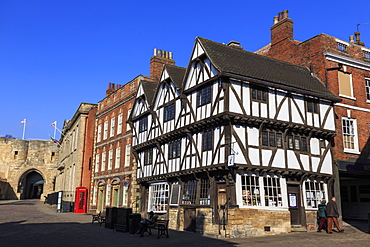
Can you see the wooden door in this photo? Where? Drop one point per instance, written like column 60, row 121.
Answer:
column 294, row 196
column 190, row 223
column 221, row 204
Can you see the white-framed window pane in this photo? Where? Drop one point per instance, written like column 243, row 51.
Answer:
column 205, row 192
column 97, row 162
column 128, row 155
column 108, row 195
column 95, row 191
column 128, row 127
column 251, row 190
column 110, row 159
column 272, row 189
column 349, row 134
column 103, row 159
column 98, row 138
column 119, row 127
column 367, row 87
column 112, row 126
column 158, row 197
column 105, row 135
column 118, row 158
column 315, row 192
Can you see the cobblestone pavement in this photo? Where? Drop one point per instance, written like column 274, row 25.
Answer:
column 32, row 223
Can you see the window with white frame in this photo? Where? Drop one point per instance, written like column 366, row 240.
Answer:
column 128, row 155
column 97, row 162
column 349, row 134
column 103, row 158
column 205, row 193
column 158, row 197
column 110, row 159
column 341, row 47
column 105, row 135
column 261, row 191
column 95, row 191
column 98, row 138
column 112, row 126
column 128, row 127
column 175, row 193
column 315, row 192
column 367, row 87
column 108, row 195
column 118, row 158
column 119, row 124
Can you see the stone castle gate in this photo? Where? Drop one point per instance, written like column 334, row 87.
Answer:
column 27, row 168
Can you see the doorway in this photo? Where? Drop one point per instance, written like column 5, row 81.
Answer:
column 294, row 199
column 32, row 186
column 190, row 223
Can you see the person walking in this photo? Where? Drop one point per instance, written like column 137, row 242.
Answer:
column 333, row 214
column 321, row 213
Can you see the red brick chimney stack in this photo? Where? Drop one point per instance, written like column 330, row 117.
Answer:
column 357, row 35
column 112, row 88
column 282, row 28
column 159, row 59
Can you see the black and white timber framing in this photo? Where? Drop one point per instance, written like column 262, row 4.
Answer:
column 233, row 130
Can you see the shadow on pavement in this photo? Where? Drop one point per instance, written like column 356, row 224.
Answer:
column 361, row 225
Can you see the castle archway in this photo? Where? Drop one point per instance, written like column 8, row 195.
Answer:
column 31, row 185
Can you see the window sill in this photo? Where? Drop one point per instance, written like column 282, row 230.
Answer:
column 351, row 151
column 264, row 208
column 347, row 97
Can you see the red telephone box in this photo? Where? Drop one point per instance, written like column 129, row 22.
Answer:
column 80, row 200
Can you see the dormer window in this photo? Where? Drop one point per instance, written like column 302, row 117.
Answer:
column 367, row 55
column 342, row 47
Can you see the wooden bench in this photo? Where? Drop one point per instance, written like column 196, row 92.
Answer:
column 99, row 218
column 162, row 227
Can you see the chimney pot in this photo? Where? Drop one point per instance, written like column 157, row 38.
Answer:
column 276, row 20
column 352, row 39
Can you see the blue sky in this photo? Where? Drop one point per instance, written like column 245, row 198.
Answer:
column 56, row 54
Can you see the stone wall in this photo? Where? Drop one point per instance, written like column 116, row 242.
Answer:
column 19, row 157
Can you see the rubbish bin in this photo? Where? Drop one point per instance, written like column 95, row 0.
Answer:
column 123, row 217
column 134, row 223
column 110, row 217
column 66, row 207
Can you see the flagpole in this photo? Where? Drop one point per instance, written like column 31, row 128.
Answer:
column 24, row 128
column 55, row 128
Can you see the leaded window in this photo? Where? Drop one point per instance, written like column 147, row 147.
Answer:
column 174, row 149
column 205, row 194
column 298, row 143
column 204, row 96
column 190, row 192
column 259, row 94
column 312, row 105
column 169, row 112
column 143, row 124
column 207, row 140
column 148, row 156
column 272, row 139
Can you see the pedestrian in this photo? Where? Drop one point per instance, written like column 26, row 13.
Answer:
column 321, row 214
column 332, row 214
column 145, row 223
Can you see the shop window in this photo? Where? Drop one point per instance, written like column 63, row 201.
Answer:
column 205, row 194
column 190, row 192
column 261, row 191
column 158, row 197
column 315, row 193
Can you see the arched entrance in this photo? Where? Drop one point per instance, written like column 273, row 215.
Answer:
column 31, row 185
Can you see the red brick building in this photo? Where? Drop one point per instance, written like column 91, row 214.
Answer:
column 114, row 167
column 344, row 67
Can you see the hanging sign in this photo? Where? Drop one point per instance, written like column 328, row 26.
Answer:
column 231, row 160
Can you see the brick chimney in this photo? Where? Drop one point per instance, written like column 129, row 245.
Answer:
column 159, row 59
column 282, row 28
column 112, row 88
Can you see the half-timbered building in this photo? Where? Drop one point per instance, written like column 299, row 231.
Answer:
column 236, row 144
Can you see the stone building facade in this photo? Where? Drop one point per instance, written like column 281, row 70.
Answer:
column 75, row 152
column 344, row 68
column 27, row 168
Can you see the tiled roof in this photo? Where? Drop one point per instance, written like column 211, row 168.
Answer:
column 239, row 62
column 176, row 74
column 149, row 88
